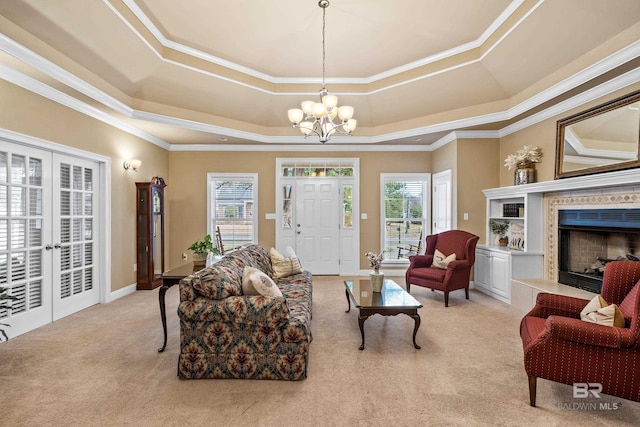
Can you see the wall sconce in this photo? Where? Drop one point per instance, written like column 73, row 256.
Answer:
column 132, row 164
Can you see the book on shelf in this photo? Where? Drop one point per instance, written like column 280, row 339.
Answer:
column 513, row 210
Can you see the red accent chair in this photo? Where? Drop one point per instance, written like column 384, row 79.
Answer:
column 456, row 276
column 560, row 347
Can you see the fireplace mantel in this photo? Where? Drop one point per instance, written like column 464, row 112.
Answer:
column 610, row 179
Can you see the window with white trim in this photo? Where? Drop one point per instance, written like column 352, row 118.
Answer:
column 405, row 213
column 232, row 205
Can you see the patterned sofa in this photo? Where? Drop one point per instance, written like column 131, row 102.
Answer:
column 224, row 334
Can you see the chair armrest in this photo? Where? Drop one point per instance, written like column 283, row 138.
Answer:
column 458, row 264
column 557, row 305
column 420, row 261
column 587, row 333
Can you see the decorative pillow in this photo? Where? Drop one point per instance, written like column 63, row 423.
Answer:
column 442, row 261
column 598, row 311
column 285, row 264
column 628, row 304
column 255, row 282
column 218, row 282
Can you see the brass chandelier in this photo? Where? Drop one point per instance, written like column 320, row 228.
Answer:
column 318, row 117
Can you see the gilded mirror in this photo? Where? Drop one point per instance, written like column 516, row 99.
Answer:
column 601, row 139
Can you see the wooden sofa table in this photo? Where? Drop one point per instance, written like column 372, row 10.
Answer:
column 393, row 300
column 170, row 278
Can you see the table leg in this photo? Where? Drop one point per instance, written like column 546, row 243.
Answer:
column 416, row 319
column 346, row 292
column 361, row 320
column 163, row 315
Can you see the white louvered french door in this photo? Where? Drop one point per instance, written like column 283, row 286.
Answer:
column 25, row 230
column 47, row 246
column 74, row 220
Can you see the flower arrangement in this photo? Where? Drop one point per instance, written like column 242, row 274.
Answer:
column 374, row 260
column 499, row 228
column 524, row 157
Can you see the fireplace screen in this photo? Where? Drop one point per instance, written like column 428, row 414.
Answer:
column 591, row 238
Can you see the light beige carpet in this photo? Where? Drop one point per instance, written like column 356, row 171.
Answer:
column 101, row 367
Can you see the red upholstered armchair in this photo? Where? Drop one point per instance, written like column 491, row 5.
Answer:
column 560, row 347
column 456, row 275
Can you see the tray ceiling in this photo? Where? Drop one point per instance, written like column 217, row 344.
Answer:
column 226, row 72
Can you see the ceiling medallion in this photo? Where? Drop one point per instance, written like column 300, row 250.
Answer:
column 317, row 117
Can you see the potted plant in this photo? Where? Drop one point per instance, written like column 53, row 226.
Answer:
column 201, row 248
column 500, row 228
column 5, row 303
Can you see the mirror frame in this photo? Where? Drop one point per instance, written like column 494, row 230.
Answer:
column 597, row 110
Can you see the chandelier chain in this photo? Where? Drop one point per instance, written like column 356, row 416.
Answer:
column 324, row 13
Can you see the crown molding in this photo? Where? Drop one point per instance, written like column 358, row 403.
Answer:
column 617, row 83
column 317, row 147
column 29, row 83
column 52, row 70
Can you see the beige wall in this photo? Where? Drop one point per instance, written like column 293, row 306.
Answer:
column 24, row 112
column 478, row 167
column 187, row 198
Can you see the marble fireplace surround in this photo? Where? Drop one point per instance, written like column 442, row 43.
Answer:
column 620, row 189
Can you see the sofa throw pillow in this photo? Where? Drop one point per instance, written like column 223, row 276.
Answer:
column 442, row 261
column 255, row 282
column 284, row 264
column 598, row 311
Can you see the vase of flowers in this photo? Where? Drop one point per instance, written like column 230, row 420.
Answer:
column 524, row 161
column 377, row 278
column 500, row 228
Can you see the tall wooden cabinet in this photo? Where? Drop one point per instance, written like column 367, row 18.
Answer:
column 150, row 234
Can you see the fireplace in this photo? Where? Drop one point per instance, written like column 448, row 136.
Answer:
column 589, row 238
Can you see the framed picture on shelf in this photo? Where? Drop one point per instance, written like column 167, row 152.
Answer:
column 516, row 239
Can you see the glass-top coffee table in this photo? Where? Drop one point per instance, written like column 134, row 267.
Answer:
column 393, row 300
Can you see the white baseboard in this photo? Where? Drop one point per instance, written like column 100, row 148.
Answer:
column 119, row 293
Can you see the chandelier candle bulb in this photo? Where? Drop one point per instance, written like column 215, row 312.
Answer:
column 295, row 115
column 345, row 112
column 330, row 101
column 307, row 106
column 319, row 109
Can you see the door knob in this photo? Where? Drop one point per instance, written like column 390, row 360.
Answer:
column 57, row 246
column 48, row 247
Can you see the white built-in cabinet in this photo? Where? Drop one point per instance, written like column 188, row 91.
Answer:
column 496, row 265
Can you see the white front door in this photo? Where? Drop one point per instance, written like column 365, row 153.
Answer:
column 442, row 202
column 317, row 225
column 47, row 248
